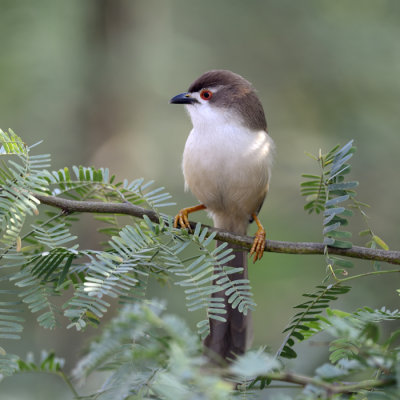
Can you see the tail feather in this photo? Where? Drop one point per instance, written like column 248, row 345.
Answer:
column 231, row 338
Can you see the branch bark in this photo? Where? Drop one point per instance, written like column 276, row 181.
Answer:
column 274, row 246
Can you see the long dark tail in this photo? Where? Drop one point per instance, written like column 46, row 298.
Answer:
column 231, row 338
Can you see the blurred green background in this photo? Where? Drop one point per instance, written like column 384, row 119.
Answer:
column 93, row 79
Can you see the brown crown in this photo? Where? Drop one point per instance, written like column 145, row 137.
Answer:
column 236, row 93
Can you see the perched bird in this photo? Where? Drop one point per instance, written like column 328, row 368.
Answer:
column 227, row 166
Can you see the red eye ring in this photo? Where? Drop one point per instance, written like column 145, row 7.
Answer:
column 206, row 94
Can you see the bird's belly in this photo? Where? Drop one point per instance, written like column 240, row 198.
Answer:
column 228, row 173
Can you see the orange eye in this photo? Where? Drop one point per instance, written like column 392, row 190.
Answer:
column 206, row 94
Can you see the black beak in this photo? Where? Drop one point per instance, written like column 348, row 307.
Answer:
column 183, row 98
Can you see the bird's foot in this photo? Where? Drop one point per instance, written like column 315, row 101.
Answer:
column 181, row 220
column 258, row 245
column 259, row 241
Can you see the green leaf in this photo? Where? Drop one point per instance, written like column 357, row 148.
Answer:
column 298, row 335
column 288, row 352
column 342, row 186
column 337, row 210
column 311, row 176
column 380, row 242
column 336, row 200
column 339, row 234
column 345, row 149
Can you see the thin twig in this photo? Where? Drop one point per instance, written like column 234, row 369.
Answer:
column 274, row 246
column 68, row 383
column 331, row 389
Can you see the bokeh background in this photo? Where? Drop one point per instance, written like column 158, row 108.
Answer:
column 93, row 78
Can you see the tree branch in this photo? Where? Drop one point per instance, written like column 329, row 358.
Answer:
column 275, row 246
column 330, row 389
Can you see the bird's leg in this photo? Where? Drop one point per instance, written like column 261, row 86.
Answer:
column 259, row 241
column 181, row 218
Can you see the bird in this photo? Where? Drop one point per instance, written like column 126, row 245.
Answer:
column 226, row 164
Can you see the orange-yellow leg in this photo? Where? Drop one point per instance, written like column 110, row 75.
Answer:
column 259, row 241
column 182, row 219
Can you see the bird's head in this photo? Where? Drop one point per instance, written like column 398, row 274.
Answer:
column 223, row 94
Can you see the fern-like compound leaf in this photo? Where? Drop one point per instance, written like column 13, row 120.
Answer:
column 305, row 323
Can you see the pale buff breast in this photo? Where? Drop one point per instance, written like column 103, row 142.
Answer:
column 228, row 169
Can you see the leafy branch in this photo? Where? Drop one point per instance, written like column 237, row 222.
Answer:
column 274, row 246
column 147, row 353
column 329, row 388
column 328, row 193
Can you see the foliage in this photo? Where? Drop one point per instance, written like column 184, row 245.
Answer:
column 145, row 352
column 150, row 354
column 328, row 193
column 302, row 325
column 52, row 261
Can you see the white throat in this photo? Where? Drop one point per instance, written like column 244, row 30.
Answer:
column 205, row 116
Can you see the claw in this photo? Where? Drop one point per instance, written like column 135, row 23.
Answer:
column 181, row 220
column 259, row 241
column 258, row 246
